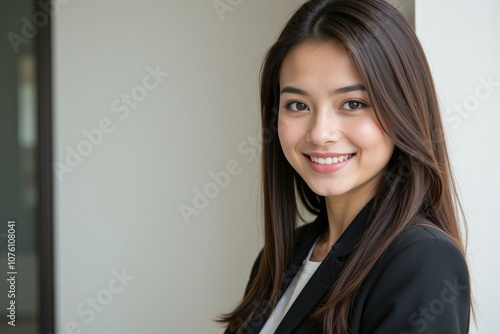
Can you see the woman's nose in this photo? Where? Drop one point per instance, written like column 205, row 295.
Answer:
column 324, row 127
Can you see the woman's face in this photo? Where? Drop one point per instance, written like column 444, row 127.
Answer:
column 325, row 113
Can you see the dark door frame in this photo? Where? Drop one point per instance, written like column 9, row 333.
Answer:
column 45, row 212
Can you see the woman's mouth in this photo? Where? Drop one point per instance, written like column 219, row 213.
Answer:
column 331, row 161
column 329, row 164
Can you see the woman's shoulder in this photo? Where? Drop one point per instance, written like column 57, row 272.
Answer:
column 424, row 239
column 421, row 282
column 424, row 255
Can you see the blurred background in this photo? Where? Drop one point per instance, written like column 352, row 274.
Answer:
column 130, row 142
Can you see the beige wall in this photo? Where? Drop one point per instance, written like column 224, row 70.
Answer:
column 460, row 37
column 119, row 206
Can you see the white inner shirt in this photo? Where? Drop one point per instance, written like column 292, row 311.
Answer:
column 305, row 272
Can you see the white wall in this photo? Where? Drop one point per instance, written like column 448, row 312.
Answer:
column 461, row 41
column 118, row 208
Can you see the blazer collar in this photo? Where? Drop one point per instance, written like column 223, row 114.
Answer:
column 327, row 273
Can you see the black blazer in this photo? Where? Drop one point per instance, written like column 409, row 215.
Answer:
column 420, row 285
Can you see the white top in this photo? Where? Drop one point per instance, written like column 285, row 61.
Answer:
column 305, row 272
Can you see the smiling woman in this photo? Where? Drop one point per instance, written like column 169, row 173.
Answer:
column 359, row 139
column 334, row 142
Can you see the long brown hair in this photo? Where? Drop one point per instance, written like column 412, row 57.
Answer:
column 418, row 186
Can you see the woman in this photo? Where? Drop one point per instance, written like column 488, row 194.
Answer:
column 351, row 124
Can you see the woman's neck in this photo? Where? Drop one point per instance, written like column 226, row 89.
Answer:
column 343, row 209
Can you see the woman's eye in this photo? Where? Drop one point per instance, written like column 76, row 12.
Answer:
column 299, row 106
column 353, row 105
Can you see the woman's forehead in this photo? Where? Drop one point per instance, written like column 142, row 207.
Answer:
column 316, row 65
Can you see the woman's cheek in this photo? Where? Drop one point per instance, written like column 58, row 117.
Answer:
column 368, row 133
column 284, row 132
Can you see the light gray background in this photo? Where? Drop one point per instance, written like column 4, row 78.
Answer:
column 119, row 207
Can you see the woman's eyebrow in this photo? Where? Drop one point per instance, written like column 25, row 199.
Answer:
column 342, row 90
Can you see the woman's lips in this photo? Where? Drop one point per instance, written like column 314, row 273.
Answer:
column 328, row 167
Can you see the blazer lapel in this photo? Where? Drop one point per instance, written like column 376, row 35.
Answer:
column 325, row 276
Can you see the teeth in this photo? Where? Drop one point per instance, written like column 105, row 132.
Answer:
column 329, row 161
